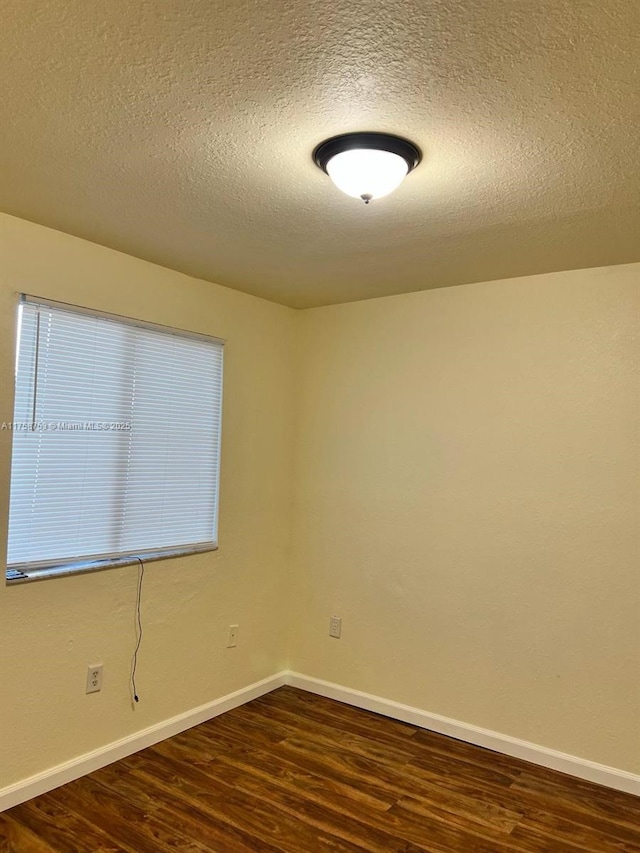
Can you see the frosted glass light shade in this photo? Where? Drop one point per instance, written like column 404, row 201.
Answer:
column 367, row 164
column 366, row 173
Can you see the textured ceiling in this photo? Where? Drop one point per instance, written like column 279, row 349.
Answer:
column 181, row 131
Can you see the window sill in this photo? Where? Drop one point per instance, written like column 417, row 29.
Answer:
column 89, row 566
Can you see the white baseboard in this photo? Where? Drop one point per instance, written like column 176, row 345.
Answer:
column 621, row 780
column 90, row 761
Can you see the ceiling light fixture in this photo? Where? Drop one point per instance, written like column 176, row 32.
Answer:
column 367, row 165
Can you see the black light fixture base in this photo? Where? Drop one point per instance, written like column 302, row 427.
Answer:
column 409, row 152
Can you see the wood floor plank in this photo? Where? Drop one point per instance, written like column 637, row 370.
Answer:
column 435, row 743
column 379, row 832
column 229, row 728
column 63, row 830
column 545, row 810
column 395, row 785
column 400, row 781
column 473, row 773
column 296, row 773
column 137, row 829
column 173, row 812
column 462, row 810
column 328, row 711
column 552, row 830
column 383, row 831
column 329, row 788
column 213, row 835
column 15, row 838
column 289, row 724
column 582, row 796
column 314, row 820
column 253, row 815
column 118, row 778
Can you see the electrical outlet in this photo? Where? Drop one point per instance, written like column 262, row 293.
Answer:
column 233, row 636
column 335, row 627
column 94, row 678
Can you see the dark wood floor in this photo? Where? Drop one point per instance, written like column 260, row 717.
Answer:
column 295, row 773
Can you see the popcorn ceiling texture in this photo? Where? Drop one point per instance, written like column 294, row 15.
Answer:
column 182, row 133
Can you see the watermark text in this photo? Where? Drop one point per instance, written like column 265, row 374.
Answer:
column 66, row 426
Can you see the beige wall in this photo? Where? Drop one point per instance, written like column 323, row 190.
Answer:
column 52, row 630
column 466, row 468
column 467, row 500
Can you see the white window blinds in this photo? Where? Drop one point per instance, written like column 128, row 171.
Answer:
column 116, row 439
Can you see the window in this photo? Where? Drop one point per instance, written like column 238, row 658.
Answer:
column 116, row 441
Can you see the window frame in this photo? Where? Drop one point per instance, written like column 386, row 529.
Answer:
column 66, row 567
